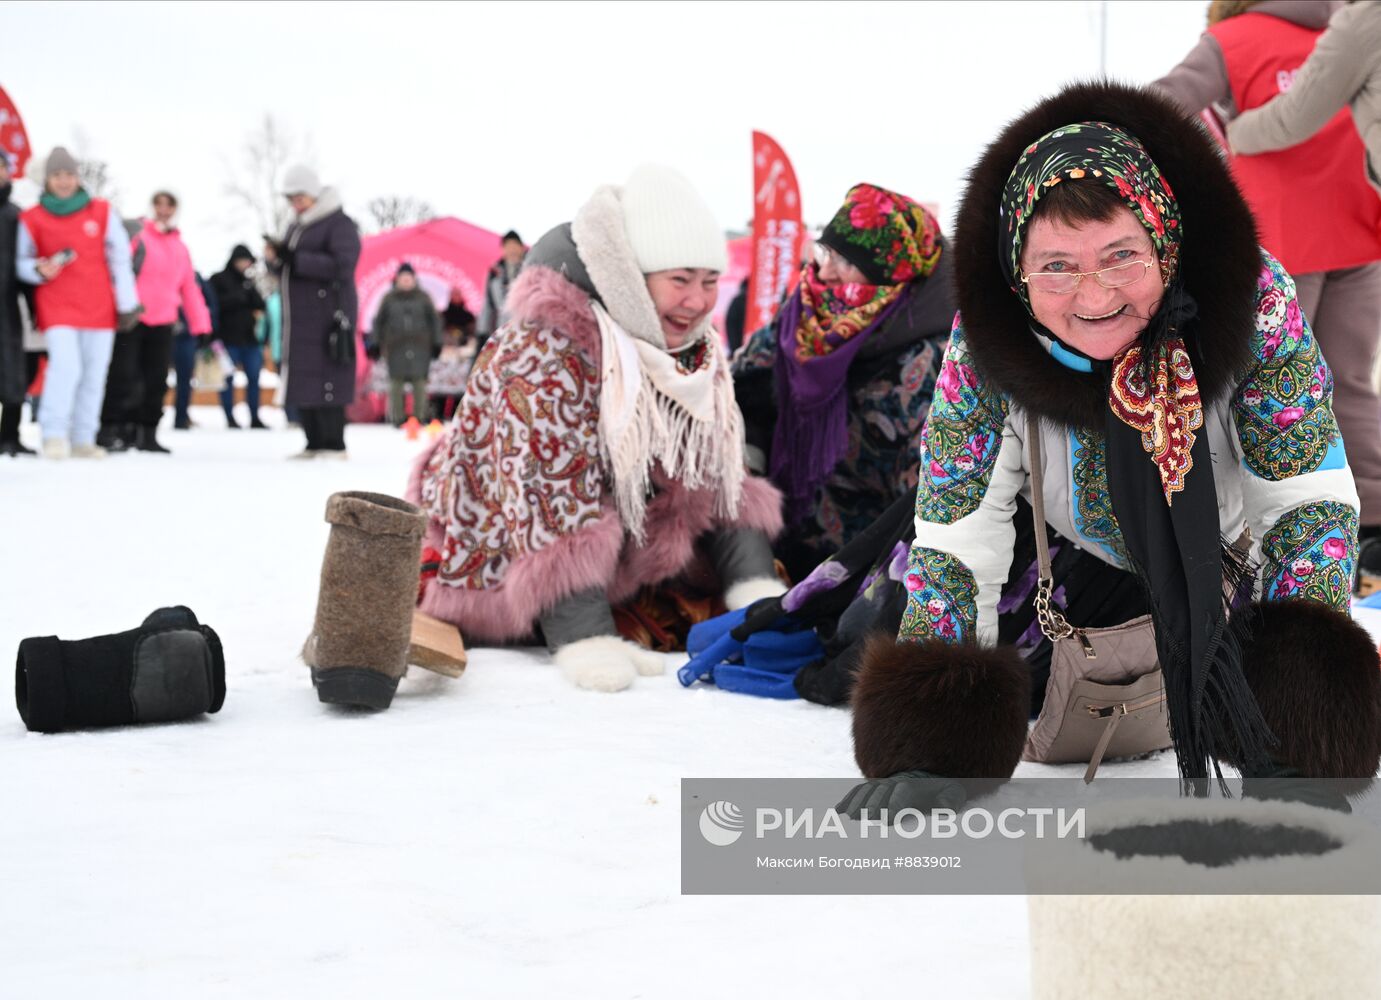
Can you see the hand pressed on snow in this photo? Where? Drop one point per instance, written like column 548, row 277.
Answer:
column 607, row 663
column 908, row 790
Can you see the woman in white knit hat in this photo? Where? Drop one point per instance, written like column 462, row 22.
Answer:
column 596, row 465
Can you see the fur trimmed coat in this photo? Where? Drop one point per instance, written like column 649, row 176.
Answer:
column 519, row 502
column 1279, row 468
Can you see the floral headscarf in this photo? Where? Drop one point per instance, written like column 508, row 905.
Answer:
column 892, row 240
column 1092, row 151
column 886, row 235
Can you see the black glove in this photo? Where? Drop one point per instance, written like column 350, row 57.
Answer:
column 282, row 251
column 762, row 614
column 204, row 341
column 1285, row 784
column 907, row 790
column 171, row 667
column 371, row 349
column 127, row 321
column 436, row 351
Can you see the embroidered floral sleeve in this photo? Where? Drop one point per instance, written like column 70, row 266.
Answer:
column 1297, row 489
column 1284, row 408
column 520, row 467
column 1310, row 554
column 941, row 598
column 959, row 444
column 970, row 472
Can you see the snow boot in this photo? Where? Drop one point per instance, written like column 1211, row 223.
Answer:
column 358, row 648
column 146, row 439
column 169, row 668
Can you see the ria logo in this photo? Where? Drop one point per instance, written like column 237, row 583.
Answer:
column 721, row 823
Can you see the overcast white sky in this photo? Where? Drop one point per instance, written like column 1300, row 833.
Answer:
column 509, row 114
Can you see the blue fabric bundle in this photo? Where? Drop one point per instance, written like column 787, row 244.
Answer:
column 763, row 664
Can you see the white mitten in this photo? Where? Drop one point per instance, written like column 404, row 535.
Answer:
column 745, row 592
column 606, row 662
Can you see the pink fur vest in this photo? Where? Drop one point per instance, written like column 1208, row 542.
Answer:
column 515, row 490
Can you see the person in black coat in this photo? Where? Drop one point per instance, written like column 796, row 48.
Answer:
column 240, row 305
column 735, row 317
column 496, row 283
column 13, row 377
column 315, row 261
column 407, row 332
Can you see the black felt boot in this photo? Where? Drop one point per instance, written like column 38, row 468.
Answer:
column 169, row 668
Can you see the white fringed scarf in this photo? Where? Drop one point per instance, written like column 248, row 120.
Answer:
column 652, row 412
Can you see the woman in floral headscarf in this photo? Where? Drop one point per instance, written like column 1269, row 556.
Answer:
column 1129, row 320
column 835, row 391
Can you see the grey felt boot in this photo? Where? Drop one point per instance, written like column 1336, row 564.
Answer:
column 358, row 648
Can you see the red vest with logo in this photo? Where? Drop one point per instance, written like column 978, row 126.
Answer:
column 1313, row 205
column 81, row 295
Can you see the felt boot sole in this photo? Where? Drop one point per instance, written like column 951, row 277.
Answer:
column 355, row 686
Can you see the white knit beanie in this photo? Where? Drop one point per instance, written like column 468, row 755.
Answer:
column 301, row 179
column 668, row 223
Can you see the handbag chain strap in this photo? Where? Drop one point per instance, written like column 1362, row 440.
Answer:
column 1052, row 620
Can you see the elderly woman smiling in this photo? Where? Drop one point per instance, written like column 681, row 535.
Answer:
column 1130, row 321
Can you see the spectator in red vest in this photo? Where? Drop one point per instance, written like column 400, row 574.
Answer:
column 1314, row 211
column 1344, row 69
column 74, row 248
column 138, row 381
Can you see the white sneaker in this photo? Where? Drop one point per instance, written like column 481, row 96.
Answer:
column 88, row 451
column 56, row 448
column 304, row 454
column 337, row 454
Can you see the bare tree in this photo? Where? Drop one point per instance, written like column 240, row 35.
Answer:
column 391, row 211
column 95, row 177
column 255, row 183
column 94, row 173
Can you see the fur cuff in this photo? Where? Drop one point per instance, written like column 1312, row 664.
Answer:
column 1316, row 676
column 745, row 592
column 953, row 710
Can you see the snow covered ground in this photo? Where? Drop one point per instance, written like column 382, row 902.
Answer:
column 500, row 835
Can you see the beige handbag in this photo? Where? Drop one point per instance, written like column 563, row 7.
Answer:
column 1106, row 695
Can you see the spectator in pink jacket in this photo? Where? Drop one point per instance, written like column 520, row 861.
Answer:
column 138, row 380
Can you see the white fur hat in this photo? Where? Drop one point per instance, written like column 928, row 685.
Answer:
column 301, row 179
column 668, row 223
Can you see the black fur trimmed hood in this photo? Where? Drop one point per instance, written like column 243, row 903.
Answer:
column 1219, row 257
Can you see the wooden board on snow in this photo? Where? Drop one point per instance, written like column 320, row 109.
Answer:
column 436, row 645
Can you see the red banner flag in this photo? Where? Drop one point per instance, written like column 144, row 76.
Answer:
column 777, row 231
column 14, row 141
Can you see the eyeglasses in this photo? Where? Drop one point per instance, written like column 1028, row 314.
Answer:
column 1064, row 282
column 847, row 271
column 823, row 255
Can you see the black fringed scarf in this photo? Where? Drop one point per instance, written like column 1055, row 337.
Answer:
column 1160, row 471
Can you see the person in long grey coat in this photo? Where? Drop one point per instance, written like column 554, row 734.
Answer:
column 315, row 261
column 407, row 332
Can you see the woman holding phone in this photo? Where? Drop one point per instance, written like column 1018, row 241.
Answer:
column 75, row 250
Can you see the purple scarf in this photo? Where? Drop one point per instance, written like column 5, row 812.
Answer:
column 812, row 431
